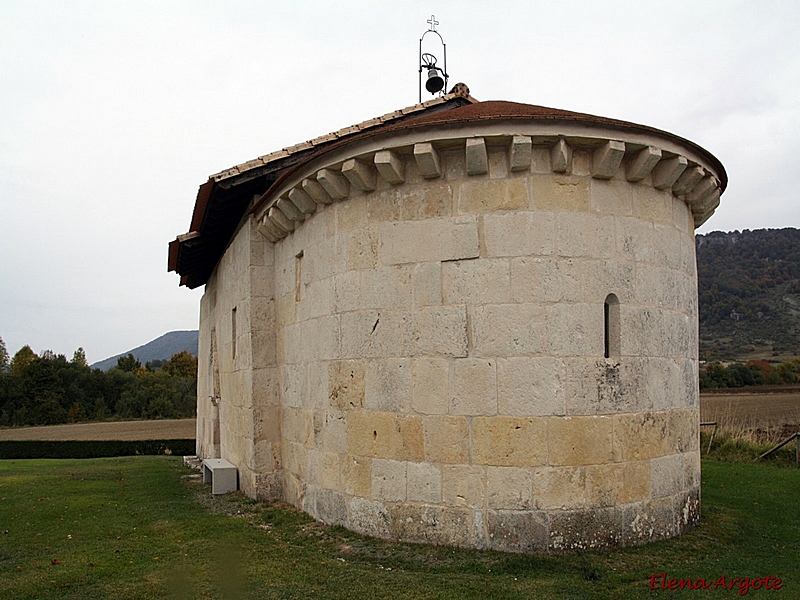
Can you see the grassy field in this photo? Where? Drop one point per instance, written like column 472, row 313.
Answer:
column 145, row 527
column 167, row 429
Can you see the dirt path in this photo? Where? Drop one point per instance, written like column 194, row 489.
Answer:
column 178, row 429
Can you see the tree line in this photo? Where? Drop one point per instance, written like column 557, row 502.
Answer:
column 755, row 372
column 49, row 389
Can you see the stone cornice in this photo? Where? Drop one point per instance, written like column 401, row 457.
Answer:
column 644, row 159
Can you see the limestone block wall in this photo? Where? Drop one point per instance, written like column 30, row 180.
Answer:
column 442, row 332
column 238, row 412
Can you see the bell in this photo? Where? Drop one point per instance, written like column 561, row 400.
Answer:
column 435, row 82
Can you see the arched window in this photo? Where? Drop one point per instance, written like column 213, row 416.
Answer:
column 611, row 326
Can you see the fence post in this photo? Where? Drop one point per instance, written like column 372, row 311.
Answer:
column 713, row 433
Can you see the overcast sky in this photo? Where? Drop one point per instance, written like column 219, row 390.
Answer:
column 113, row 113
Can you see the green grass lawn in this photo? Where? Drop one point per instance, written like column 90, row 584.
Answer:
column 137, row 527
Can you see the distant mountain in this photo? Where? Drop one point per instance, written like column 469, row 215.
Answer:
column 749, row 292
column 161, row 348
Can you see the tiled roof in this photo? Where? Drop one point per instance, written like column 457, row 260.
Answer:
column 341, row 133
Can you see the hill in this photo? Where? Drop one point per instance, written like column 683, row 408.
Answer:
column 749, row 292
column 161, row 348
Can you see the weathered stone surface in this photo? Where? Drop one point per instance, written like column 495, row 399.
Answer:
column 607, row 158
column 431, row 524
column 519, row 153
column 666, row 475
column 360, row 175
column 559, row 487
column 519, row 234
column 427, row 283
column 482, row 280
column 385, row 435
column 437, row 331
column 477, row 158
column 368, row 518
column 540, row 160
column 331, row 507
column 509, row 441
column 362, row 249
column 666, row 172
column 509, row 488
column 688, row 179
column 686, row 509
column 647, row 521
column 427, row 159
column 596, row 239
column 498, row 163
column 653, row 205
column 430, row 385
column 390, row 166
column 545, row 280
column 446, row 439
column 388, row 385
column 489, row 195
column 517, row 531
column 280, row 220
column 270, row 226
column 290, row 209
column 357, row 475
column 612, row 197
column 560, row 192
column 389, row 480
column 424, row 483
column 267, row 232
column 386, row 287
column 302, row 200
column 579, row 440
column 561, row 156
column 268, row 487
column 644, row 435
column 582, row 530
column 315, row 191
column 463, row 485
column 346, row 384
column 531, row 386
column 334, row 183
column 424, row 241
column 508, row 330
column 330, row 472
column 474, row 390
column 642, row 163
column 704, row 188
column 371, row 333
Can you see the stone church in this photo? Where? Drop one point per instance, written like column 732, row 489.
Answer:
column 466, row 323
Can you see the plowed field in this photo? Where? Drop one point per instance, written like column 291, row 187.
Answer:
column 178, row 429
column 752, row 410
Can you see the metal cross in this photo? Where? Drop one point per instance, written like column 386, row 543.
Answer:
column 433, row 23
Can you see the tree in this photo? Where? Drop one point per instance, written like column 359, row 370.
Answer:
column 3, row 357
column 128, row 363
column 182, row 364
column 79, row 358
column 22, row 360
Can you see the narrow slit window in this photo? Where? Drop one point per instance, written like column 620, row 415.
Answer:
column 298, row 276
column 611, row 331
column 233, row 332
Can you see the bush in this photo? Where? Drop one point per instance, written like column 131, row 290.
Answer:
column 93, row 449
